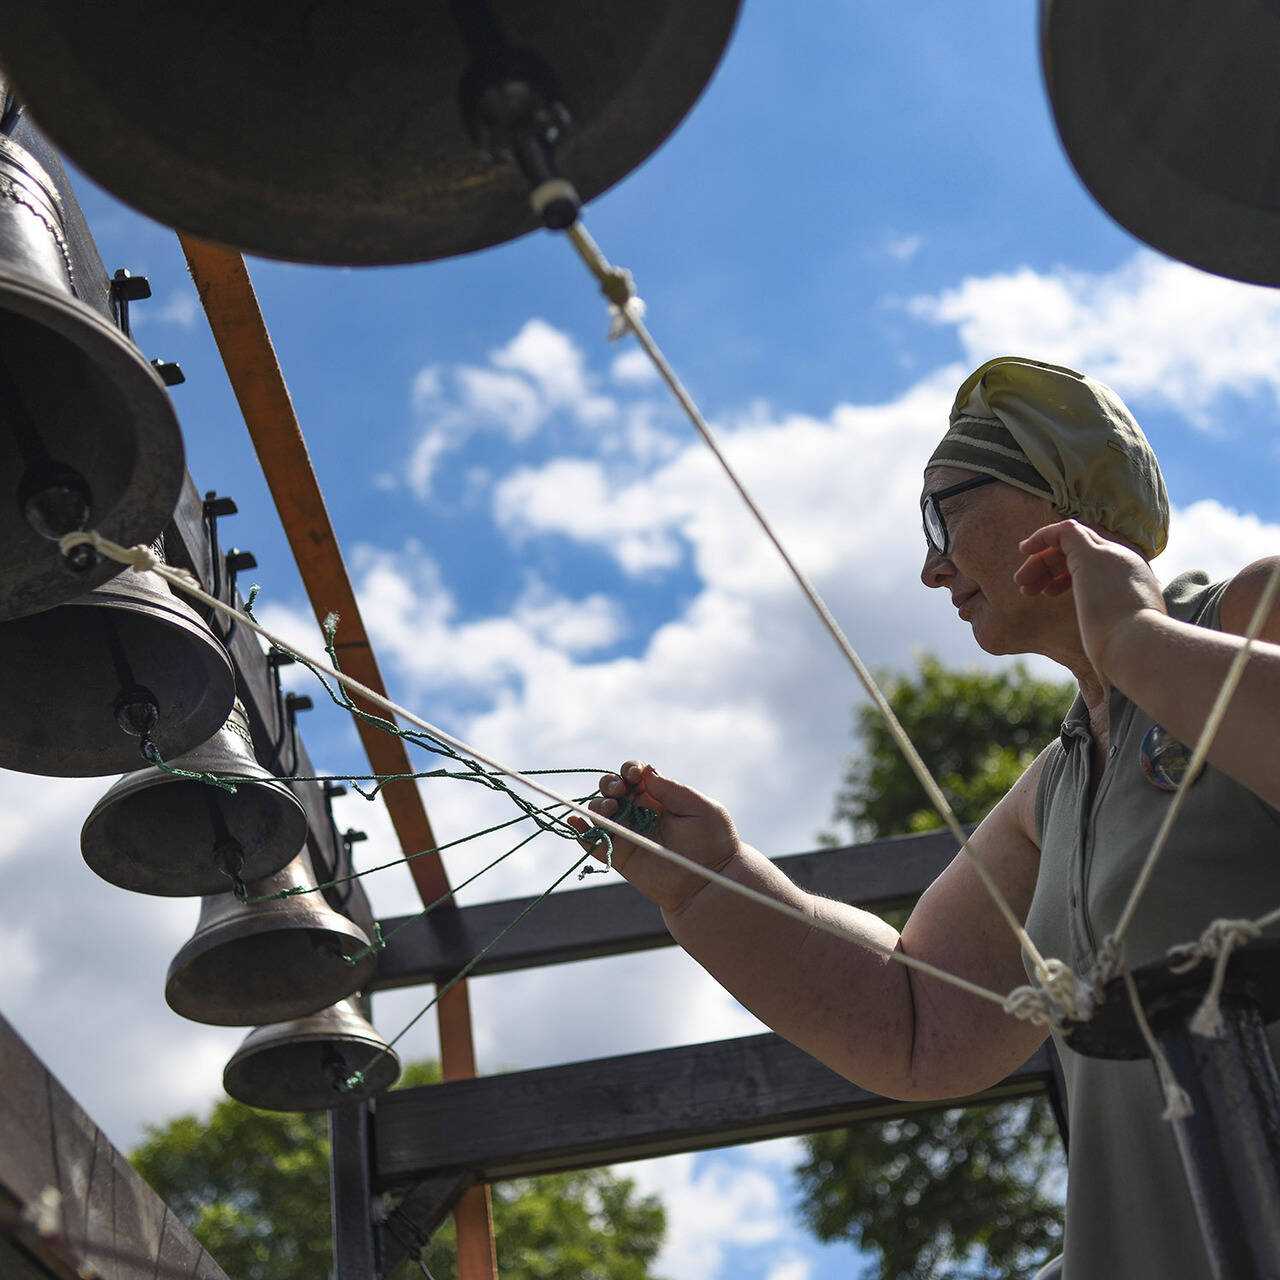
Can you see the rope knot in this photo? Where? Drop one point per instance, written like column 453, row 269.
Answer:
column 1056, row 996
column 1216, row 943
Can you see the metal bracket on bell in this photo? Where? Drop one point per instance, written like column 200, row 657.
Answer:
column 127, row 288
column 293, row 703
column 170, row 372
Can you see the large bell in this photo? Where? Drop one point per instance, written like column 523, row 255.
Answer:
column 88, row 436
column 333, row 132
column 254, row 962
column 1168, row 110
column 180, row 838
column 301, row 1065
column 83, row 683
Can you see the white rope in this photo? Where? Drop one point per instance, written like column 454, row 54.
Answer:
column 1177, row 1103
column 619, row 288
column 1216, row 943
column 142, row 558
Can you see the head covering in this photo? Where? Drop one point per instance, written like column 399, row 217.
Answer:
column 1059, row 434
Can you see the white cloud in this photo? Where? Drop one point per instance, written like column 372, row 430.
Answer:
column 539, row 374
column 633, row 368
column 711, row 1204
column 1207, row 535
column 556, row 366
column 791, row 1267
column 1154, row 329
column 903, row 248
column 181, row 309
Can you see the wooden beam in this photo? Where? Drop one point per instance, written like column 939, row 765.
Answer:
column 614, row 919
column 414, row 1220
column 108, row 1218
column 634, row 1107
column 235, row 318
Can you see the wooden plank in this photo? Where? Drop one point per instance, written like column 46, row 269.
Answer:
column 110, row 1217
column 414, row 1220
column 633, row 1107
column 614, row 919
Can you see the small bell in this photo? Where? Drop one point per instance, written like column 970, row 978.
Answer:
column 84, row 683
column 307, row 1064
column 177, row 837
column 88, row 436
column 252, row 962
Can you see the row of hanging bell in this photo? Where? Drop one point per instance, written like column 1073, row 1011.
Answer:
column 360, row 133
column 1168, row 111
column 88, row 435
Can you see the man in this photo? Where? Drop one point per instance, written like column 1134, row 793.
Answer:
column 1042, row 507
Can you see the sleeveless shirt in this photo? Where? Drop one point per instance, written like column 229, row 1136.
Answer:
column 1129, row 1212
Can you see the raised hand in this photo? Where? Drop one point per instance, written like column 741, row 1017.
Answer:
column 688, row 822
column 1110, row 584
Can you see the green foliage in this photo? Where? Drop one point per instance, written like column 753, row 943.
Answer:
column 254, row 1188
column 960, row 1192
column 976, row 730
column 943, row 1193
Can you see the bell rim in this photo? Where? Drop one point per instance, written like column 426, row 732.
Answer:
column 93, row 848
column 158, row 433
column 1212, row 233
column 181, row 990
column 368, row 1088
column 39, row 46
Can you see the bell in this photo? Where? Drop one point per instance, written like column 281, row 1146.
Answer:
column 83, row 685
column 177, row 837
column 88, row 436
column 1168, row 111
column 302, row 1065
column 255, row 962
column 356, row 134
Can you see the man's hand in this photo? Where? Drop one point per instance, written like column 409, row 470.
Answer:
column 688, row 822
column 1111, row 585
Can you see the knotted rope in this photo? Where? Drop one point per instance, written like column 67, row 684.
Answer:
column 1216, row 943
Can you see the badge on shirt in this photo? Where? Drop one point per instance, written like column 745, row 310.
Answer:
column 1164, row 759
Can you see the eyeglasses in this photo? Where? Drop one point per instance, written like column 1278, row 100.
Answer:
column 935, row 527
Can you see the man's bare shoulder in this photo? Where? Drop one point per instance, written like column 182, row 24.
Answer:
column 1241, row 599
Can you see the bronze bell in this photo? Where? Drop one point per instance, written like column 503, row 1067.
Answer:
column 356, row 133
column 301, row 1065
column 83, row 684
column 88, row 436
column 1169, row 113
column 256, row 962
column 177, row 837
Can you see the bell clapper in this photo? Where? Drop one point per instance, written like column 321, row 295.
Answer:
column 137, row 714
column 514, row 111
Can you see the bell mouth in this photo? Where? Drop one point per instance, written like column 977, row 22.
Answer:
column 334, row 134
column 259, row 966
column 279, row 1069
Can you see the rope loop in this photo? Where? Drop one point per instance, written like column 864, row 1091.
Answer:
column 1216, row 943
column 1055, row 997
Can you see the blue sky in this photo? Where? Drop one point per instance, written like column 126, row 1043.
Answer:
column 868, row 202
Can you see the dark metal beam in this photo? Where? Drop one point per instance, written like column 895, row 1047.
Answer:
column 614, row 919
column 355, row 1240
column 633, row 1107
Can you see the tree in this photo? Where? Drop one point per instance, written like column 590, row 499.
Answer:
column 963, row 1191
column 253, row 1186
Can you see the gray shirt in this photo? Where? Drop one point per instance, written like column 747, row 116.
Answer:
column 1129, row 1213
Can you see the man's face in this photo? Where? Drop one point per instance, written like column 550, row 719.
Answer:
column 986, row 524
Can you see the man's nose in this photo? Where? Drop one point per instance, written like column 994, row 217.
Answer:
column 937, row 569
